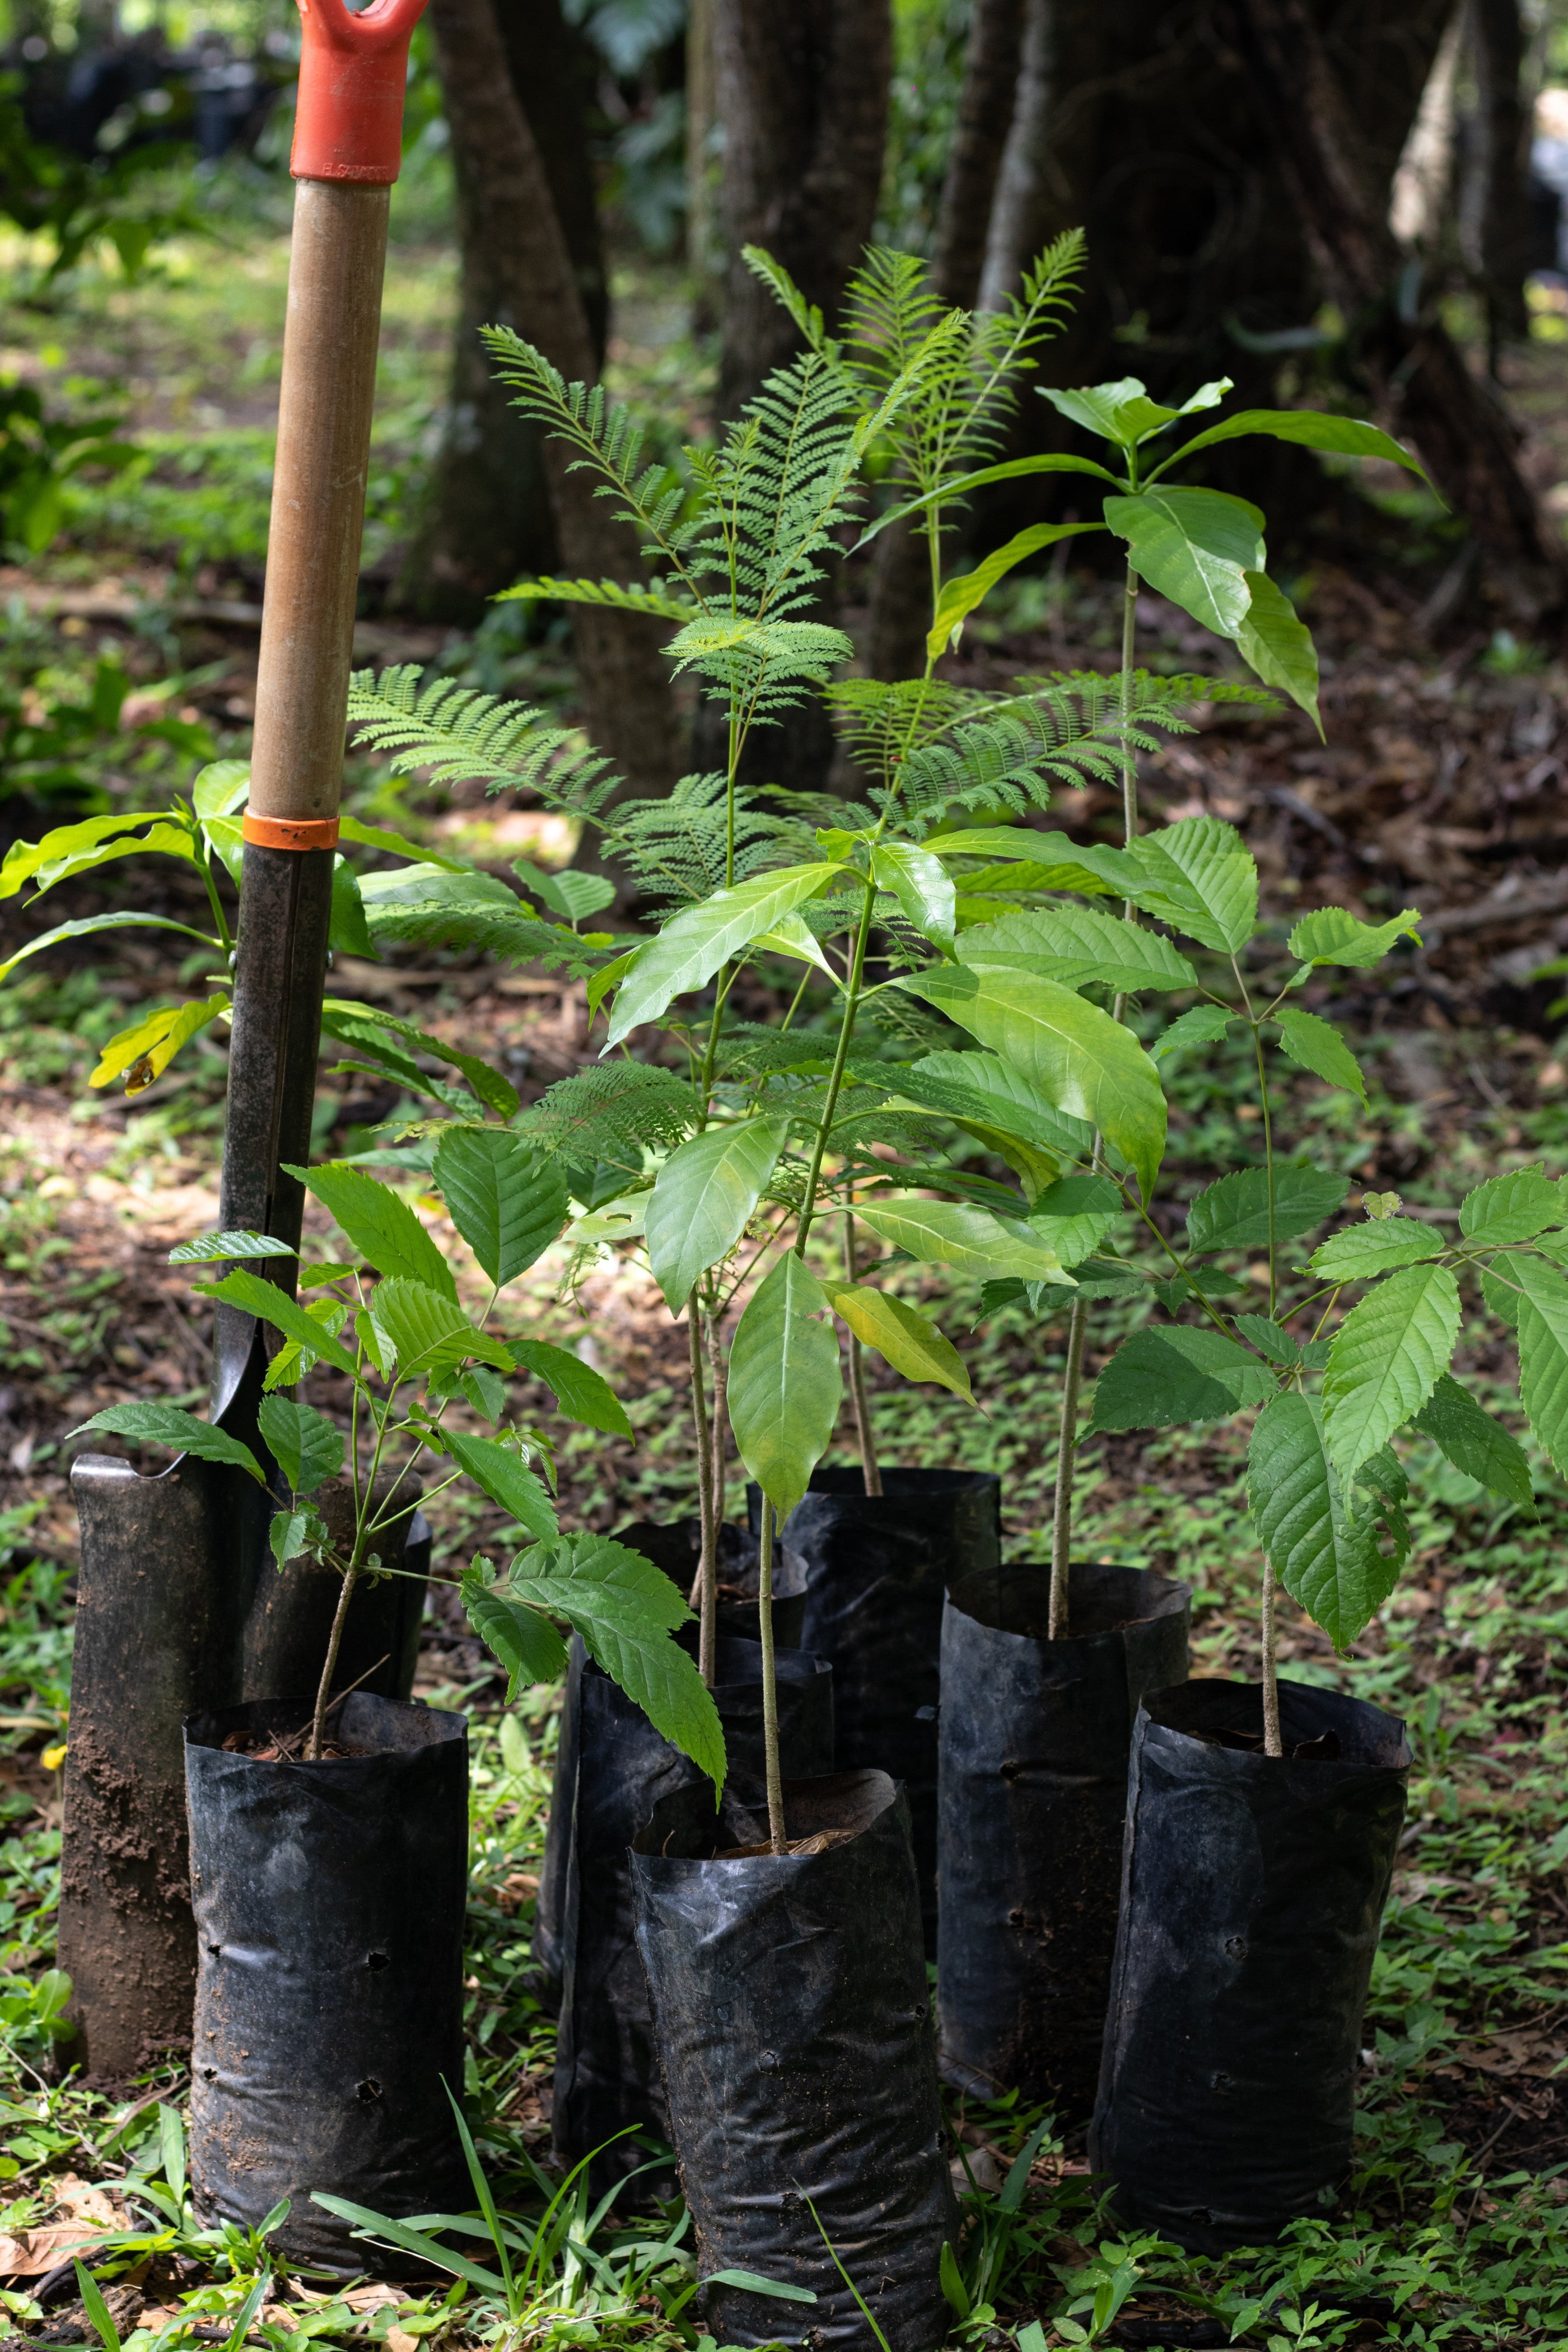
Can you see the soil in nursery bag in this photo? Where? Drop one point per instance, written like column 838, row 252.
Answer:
column 329, row 1908
column 1031, row 1802
column 794, row 2032
column 1252, row 1891
column 878, row 1568
column 606, row 2071
column 674, row 1545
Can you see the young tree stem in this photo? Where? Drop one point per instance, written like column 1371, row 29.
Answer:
column 770, row 1686
column 716, row 1366
column 858, row 1396
column 705, row 1589
column 1272, row 1743
column 1061, row 1525
column 334, row 1643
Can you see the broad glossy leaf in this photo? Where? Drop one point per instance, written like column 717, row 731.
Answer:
column 24, row 859
column 625, row 1610
column 792, row 935
column 1194, row 547
column 1328, row 1562
column 508, row 1201
column 1511, row 1208
column 1199, row 877
column 1312, row 1044
column 921, row 884
column 1542, row 1324
column 694, row 943
column 704, row 1197
column 1387, row 1356
column 144, row 1051
column 288, row 1532
column 1330, row 935
column 210, row 1248
column 1375, row 1247
column 959, row 596
column 1476, row 1443
column 1077, row 945
column 785, row 1386
column 1012, row 469
column 1079, row 1058
column 397, row 844
column 1203, row 1024
column 986, row 1089
column 381, row 1226
column 368, row 1026
column 525, row 1641
column 88, row 925
column 349, row 933
column 221, row 787
column 429, row 1332
column 1233, row 1213
column 970, row 1241
column 1308, row 428
column 582, row 1393
column 910, row 1342
column 1173, row 1374
column 255, row 1295
column 302, row 1441
column 182, row 1432
column 499, row 1473
column 1277, row 644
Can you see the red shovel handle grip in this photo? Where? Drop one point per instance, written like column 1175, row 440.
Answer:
column 352, row 68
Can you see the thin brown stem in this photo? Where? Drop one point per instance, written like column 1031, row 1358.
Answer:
column 864, row 1433
column 770, row 1686
column 334, row 1643
column 1067, row 1442
column 721, row 1410
column 705, row 1589
column 1272, row 1743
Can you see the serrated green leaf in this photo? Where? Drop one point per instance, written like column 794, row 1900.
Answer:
column 525, row 1642
column 582, row 1393
column 381, row 1226
column 1199, row 877
column 1162, row 1378
column 1377, row 1247
column 288, row 1532
column 1233, row 1213
column 1194, row 547
column 970, row 1240
column 1543, row 1322
column 1386, row 1359
column 985, row 1088
column 1204, row 1025
column 1312, row 1044
column 1511, row 1208
column 302, row 1441
column 182, row 1432
column 1073, row 1215
column 1081, row 1060
column 1325, row 1561
column 364, row 1025
column 428, row 1332
column 910, row 1342
column 1268, row 1337
column 209, row 1249
column 1330, row 935
column 1474, row 1443
column 703, row 1199
column 506, row 1200
column 499, row 1473
column 921, row 885
column 1077, row 945
column 692, row 945
column 1277, row 643
column 785, row 1386
column 253, row 1296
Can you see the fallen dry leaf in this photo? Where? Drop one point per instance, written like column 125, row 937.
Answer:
column 32, row 2253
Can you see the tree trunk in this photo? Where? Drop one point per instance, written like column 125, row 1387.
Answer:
column 702, row 191
column 1025, row 198
column 486, row 516
column 623, row 678
column 1460, row 430
column 1494, row 216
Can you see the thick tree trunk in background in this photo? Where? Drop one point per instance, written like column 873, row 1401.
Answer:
column 1494, row 216
column 486, row 516
column 1457, row 426
column 622, row 672
column 1029, row 189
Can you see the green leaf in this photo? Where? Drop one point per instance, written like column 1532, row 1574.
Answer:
column 598, row 591
column 97, row 2310
column 1324, row 1559
column 1314, row 1046
column 1277, row 644
column 1178, row 1372
column 922, row 886
column 983, row 1088
column 1503, row 1299
column 269, row 1305
column 704, row 1199
column 1079, row 1058
column 1543, row 1319
column 429, row 1332
column 1476, row 1443
column 288, row 1532
column 1233, row 1213
column 570, row 894
column 24, row 859
column 1194, row 547
column 302, row 1441
column 1386, row 1359
column 1331, row 936
column 380, row 1225
column 1077, row 945
column 753, row 2283
column 526, row 1642
column 952, row 2285
column 1073, row 1215
column 508, row 1201
column 625, row 1610
column 692, row 945
column 1204, row 1025
column 960, row 595
column 970, row 1241
column 961, row 485
column 1198, row 875
column 908, row 1341
column 1268, row 1337
column 144, row 1051
column 582, row 1393
column 349, row 933
column 208, row 1248
column 1375, row 1247
column 221, row 787
column 1310, row 429
column 429, row 2252
column 397, row 844
column 501, row 1475
column 182, row 1432
column 368, row 1025
column 1511, row 1208
column 786, row 1385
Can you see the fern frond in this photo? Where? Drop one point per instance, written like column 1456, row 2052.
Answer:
column 882, row 722
column 487, row 930
column 677, row 846
column 613, row 1112
column 462, row 737
column 599, row 591
column 788, row 296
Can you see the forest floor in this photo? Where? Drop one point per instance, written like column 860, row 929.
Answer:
column 1443, row 784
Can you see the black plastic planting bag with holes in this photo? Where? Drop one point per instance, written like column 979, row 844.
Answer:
column 1252, row 1891
column 1031, row 1802
column 607, row 2074
column 329, row 1908
column 793, row 2027
column 879, row 1568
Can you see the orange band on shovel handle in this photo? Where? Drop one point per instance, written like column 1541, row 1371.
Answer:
column 348, row 120
column 289, row 832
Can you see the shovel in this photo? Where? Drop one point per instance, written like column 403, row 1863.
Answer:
column 170, row 1565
